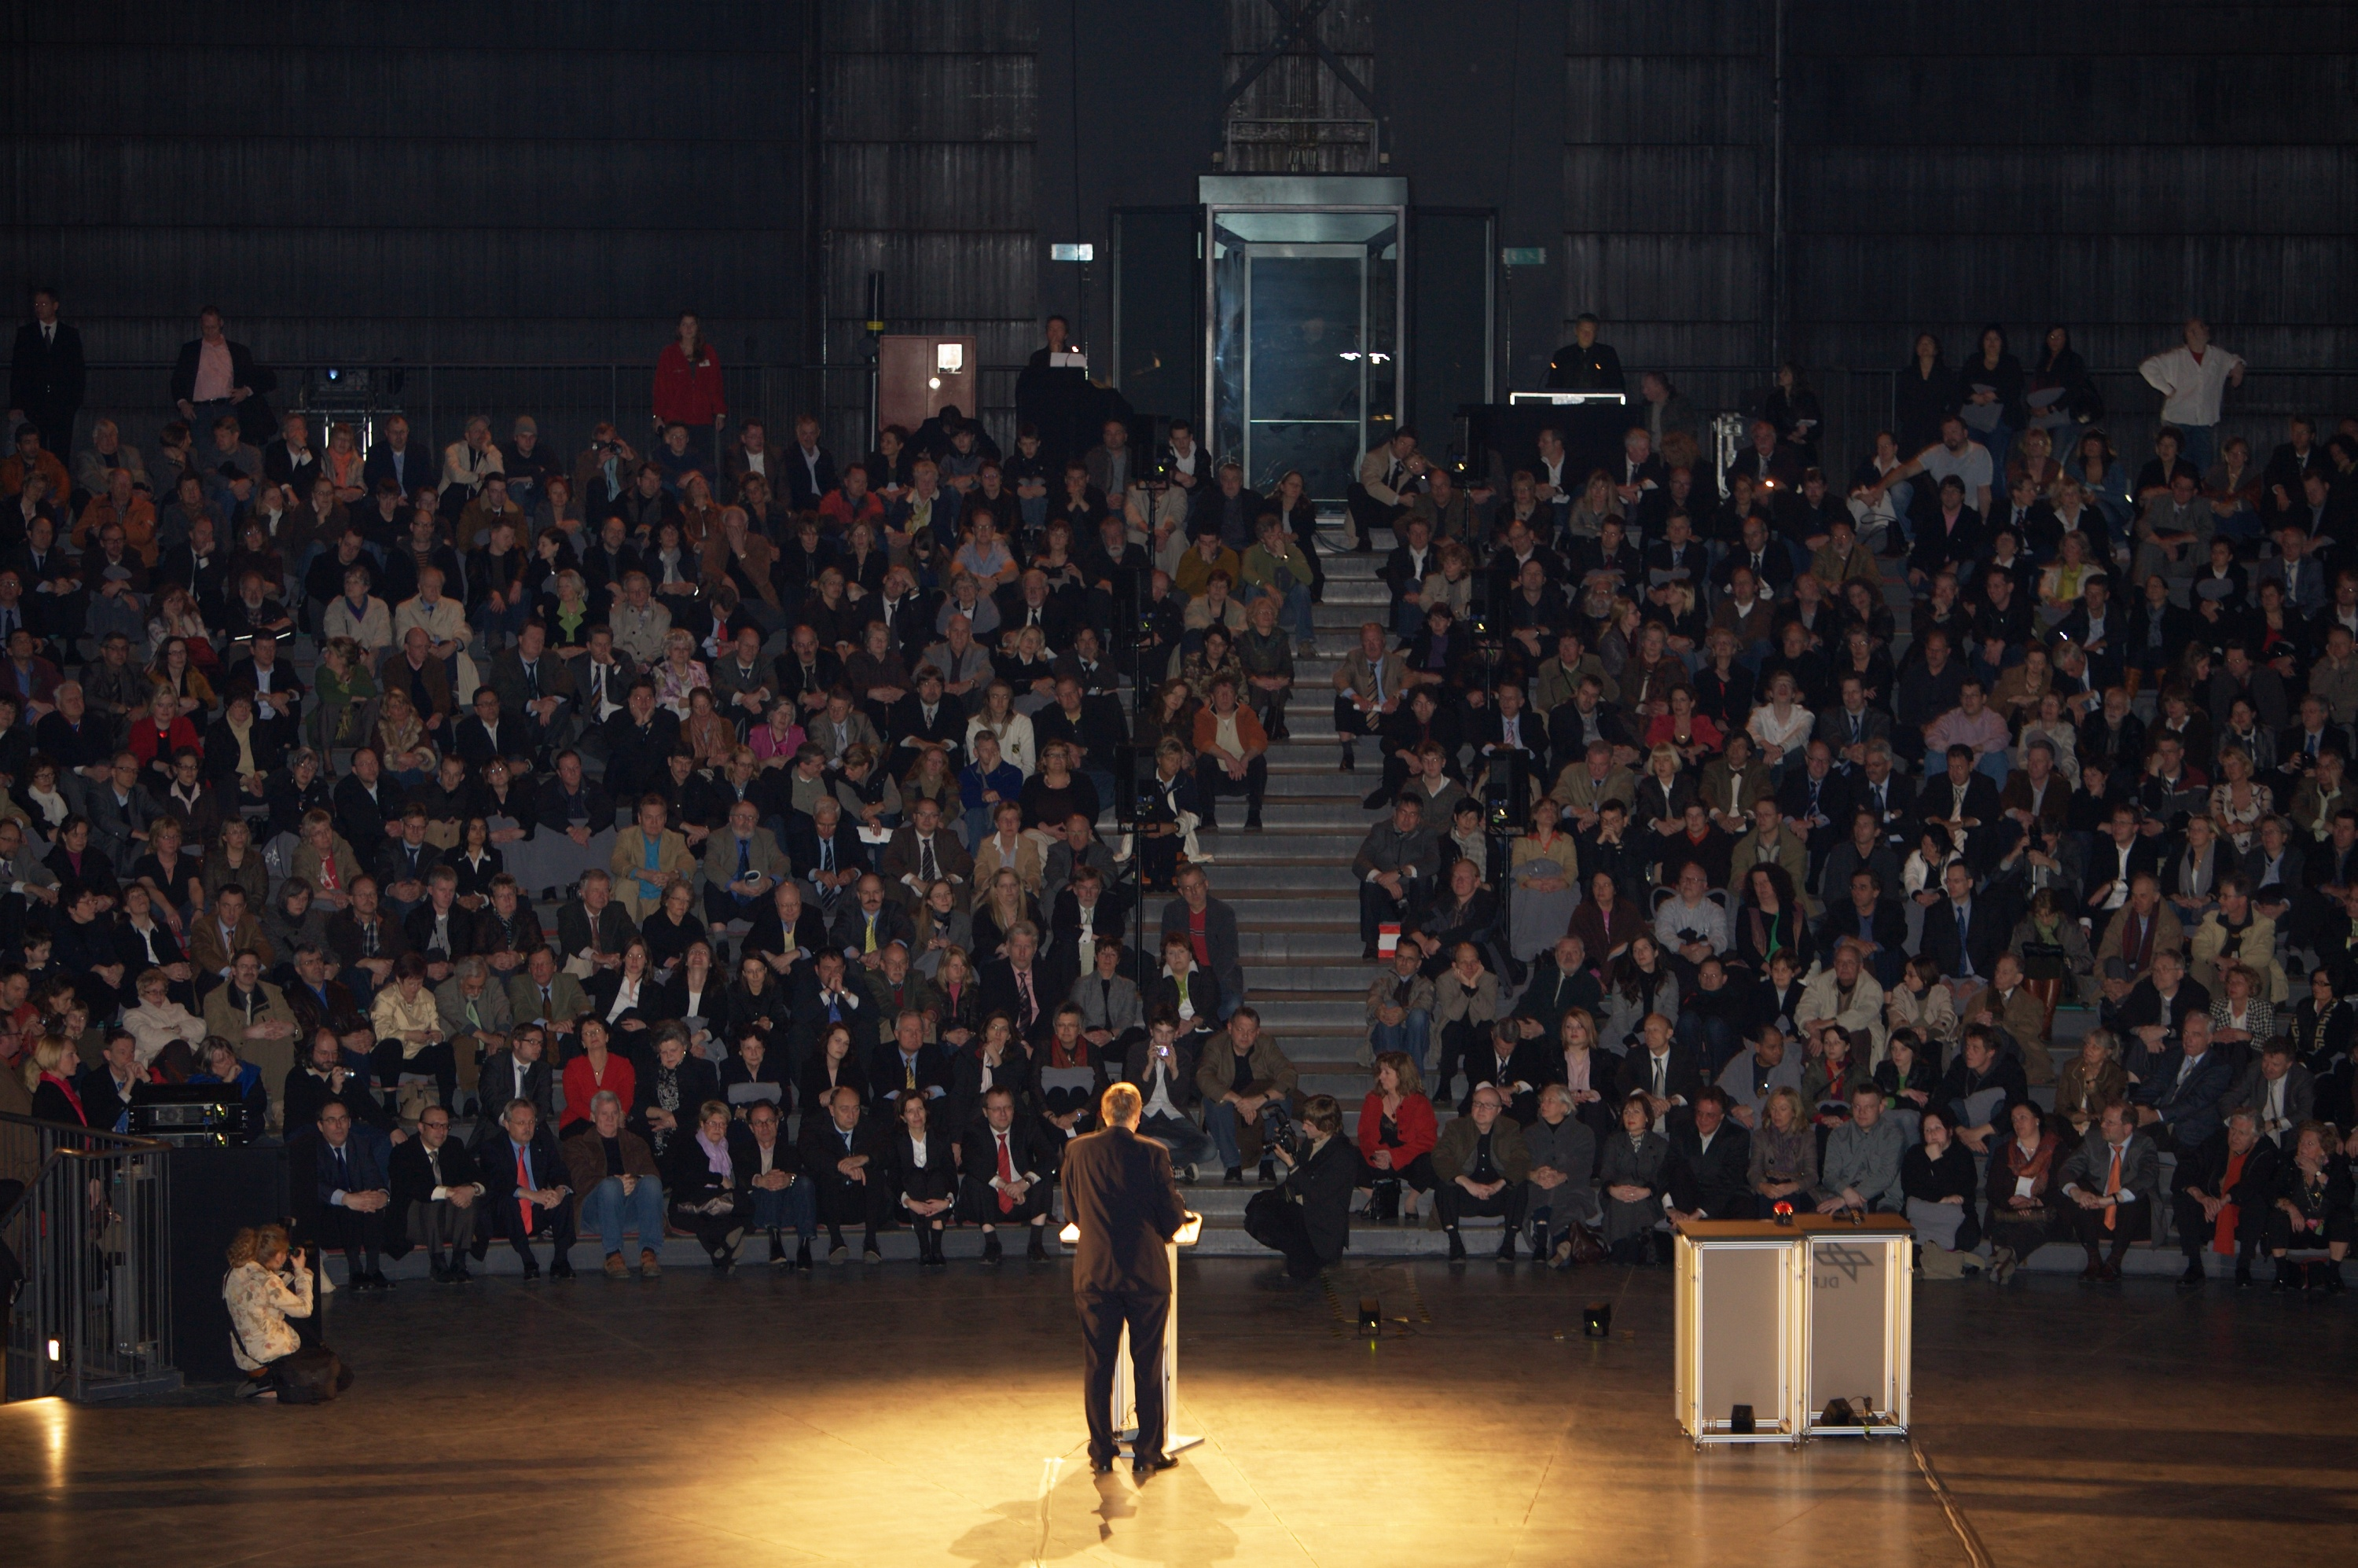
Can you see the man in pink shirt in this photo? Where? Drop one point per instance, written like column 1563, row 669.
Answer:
column 215, row 376
column 1972, row 723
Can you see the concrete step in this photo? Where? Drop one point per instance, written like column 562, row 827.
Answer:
column 1223, row 1236
column 1329, row 1009
column 1305, row 845
column 1329, row 814
column 1274, row 946
column 1332, row 882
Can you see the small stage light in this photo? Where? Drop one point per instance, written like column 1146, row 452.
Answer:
column 1739, row 1420
column 1371, row 1316
column 1838, row 1413
column 1597, row 1320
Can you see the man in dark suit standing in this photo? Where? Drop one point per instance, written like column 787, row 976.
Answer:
column 1119, row 1194
column 45, row 377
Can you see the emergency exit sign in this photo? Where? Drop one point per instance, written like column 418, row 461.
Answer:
column 1524, row 256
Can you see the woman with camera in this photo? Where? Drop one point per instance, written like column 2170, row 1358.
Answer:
column 1307, row 1216
column 266, row 1284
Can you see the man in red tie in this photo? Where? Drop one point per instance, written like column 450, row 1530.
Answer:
column 2112, row 1178
column 526, row 1191
column 1006, row 1167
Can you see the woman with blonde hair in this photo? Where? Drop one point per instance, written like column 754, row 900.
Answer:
column 1597, row 501
column 49, row 1073
column 1003, row 906
column 400, row 739
column 1784, row 1166
column 265, row 1285
column 1663, row 793
column 1397, row 1132
column 570, row 617
column 679, row 672
column 343, row 688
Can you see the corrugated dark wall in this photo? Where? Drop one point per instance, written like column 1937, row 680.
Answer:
column 530, row 182
column 2112, row 165
column 930, row 116
column 536, row 182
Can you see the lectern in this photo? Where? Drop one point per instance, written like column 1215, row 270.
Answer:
column 1740, row 1341
column 1794, row 1330
column 1861, row 1317
column 1125, row 1399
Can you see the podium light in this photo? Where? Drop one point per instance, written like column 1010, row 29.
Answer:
column 1597, row 1320
column 1071, row 1234
column 1371, row 1316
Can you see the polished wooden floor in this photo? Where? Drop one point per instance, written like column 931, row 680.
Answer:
column 876, row 1417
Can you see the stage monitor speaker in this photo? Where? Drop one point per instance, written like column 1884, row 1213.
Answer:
column 188, row 1116
column 1127, row 803
column 1506, row 795
column 215, row 1192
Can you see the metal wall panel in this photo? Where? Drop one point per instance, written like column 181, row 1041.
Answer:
column 1709, row 99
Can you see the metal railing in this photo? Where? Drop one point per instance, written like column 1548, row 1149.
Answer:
column 94, row 1319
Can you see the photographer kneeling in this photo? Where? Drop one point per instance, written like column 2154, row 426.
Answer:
column 1307, row 1216
column 265, row 1285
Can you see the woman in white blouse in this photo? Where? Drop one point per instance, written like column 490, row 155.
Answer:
column 1781, row 726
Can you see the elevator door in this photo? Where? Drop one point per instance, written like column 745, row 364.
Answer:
column 1305, row 318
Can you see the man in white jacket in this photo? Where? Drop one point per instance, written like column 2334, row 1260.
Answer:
column 2192, row 378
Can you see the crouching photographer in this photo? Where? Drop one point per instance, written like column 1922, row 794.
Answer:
column 267, row 1283
column 1307, row 1216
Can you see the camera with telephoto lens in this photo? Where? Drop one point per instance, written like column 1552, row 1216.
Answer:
column 1278, row 1129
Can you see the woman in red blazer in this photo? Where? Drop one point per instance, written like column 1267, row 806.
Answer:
column 1397, row 1131
column 597, row 1068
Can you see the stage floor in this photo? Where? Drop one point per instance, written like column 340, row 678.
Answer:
column 876, row 1417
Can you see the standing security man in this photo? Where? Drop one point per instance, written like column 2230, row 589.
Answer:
column 45, row 377
column 1118, row 1191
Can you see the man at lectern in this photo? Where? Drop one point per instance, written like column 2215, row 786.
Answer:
column 1118, row 1192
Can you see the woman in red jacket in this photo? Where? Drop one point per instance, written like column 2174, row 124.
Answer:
column 687, row 388
column 595, row 1069
column 1397, row 1132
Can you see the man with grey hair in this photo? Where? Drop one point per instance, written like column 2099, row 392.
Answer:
column 615, row 1171
column 2224, row 1191
column 527, row 1192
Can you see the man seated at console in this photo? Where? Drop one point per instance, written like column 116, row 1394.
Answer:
column 1003, row 1174
column 1481, row 1166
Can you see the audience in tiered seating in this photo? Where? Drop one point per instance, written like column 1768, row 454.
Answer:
column 748, row 818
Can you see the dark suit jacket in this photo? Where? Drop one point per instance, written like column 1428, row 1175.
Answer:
column 2190, row 1109
column 1322, row 1184
column 45, row 377
column 1986, row 929
column 1716, row 1180
column 2204, row 1170
column 935, row 1070
column 413, row 1175
column 1220, row 936
column 1119, row 1190
column 500, row 1085
column 1683, row 1077
column 366, row 1168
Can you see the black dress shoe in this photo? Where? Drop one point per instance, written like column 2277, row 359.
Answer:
column 991, row 1253
column 2193, row 1275
column 1350, row 762
column 1142, row 1468
column 1234, row 1176
column 1456, row 1247
column 2244, row 1275
column 1507, row 1247
column 459, row 1275
column 439, row 1272
column 560, row 1269
column 531, row 1269
column 1100, row 1467
column 1253, row 821
column 1036, row 1250
column 777, row 1247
